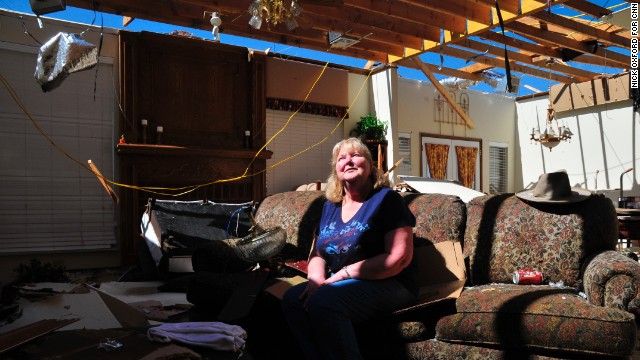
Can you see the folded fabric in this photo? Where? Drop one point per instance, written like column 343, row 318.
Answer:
column 213, row 335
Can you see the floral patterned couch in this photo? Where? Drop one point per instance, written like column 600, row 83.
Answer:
column 586, row 312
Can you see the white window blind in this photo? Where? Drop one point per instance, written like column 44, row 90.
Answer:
column 404, row 151
column 48, row 202
column 303, row 131
column 498, row 181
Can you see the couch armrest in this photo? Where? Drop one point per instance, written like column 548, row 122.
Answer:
column 612, row 279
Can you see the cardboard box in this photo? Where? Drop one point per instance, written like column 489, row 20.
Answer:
column 441, row 268
column 283, row 284
column 94, row 310
column 442, row 273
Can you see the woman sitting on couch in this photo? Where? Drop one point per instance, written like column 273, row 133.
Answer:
column 361, row 265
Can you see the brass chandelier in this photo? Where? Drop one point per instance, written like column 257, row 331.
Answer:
column 274, row 12
column 552, row 135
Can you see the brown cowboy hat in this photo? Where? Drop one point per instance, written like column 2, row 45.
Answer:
column 554, row 188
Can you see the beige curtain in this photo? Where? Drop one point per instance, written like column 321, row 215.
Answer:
column 466, row 164
column 437, row 155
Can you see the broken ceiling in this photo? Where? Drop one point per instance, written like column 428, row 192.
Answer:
column 552, row 40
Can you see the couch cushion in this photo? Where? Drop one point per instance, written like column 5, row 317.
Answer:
column 538, row 317
column 416, row 325
column 433, row 349
column 439, row 217
column 504, row 234
column 298, row 213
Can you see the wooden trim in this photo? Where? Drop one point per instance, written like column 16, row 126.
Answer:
column 170, row 150
column 308, row 108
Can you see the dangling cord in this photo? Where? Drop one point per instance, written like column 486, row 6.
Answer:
column 507, row 67
column 26, row 31
column 95, row 14
column 95, row 80
column 441, row 49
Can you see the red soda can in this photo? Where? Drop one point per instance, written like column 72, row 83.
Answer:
column 527, row 277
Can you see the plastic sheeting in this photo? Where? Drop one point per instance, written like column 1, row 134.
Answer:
column 62, row 55
column 457, row 83
column 492, row 78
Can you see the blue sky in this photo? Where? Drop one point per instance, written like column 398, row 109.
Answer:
column 114, row 21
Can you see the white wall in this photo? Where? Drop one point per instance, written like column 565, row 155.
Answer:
column 359, row 100
column 605, row 141
column 493, row 115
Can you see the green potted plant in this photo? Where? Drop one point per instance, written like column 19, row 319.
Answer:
column 371, row 128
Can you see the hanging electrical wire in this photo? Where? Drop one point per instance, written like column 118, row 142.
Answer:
column 167, row 191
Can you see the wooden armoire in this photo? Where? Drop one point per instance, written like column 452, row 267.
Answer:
column 208, row 98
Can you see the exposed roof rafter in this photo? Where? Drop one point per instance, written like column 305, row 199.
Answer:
column 540, row 43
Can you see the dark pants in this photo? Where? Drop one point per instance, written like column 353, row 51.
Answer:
column 324, row 330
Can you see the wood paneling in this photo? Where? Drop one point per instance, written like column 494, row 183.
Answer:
column 602, row 91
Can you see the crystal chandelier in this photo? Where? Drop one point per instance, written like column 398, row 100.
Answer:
column 552, row 135
column 274, row 12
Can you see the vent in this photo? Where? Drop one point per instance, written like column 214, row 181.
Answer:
column 341, row 41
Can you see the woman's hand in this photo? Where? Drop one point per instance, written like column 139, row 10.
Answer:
column 308, row 292
column 315, row 277
column 341, row 275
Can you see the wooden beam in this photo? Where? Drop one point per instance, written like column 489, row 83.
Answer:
column 308, row 38
column 563, row 41
column 476, row 68
column 543, row 50
column 587, row 7
column 601, row 91
column 372, row 20
column 326, row 23
column 394, row 30
column 468, row 75
column 524, row 7
column 591, row 31
column 469, row 10
column 452, row 102
column 578, row 74
column 512, row 6
column 406, row 12
column 499, row 63
column 126, row 20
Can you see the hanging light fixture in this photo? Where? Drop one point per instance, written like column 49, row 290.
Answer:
column 274, row 12
column 552, row 135
column 215, row 22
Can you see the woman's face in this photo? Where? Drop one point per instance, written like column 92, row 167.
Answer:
column 352, row 166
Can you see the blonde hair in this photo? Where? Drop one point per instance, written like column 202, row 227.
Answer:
column 335, row 187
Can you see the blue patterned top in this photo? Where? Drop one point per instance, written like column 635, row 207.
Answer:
column 342, row 243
